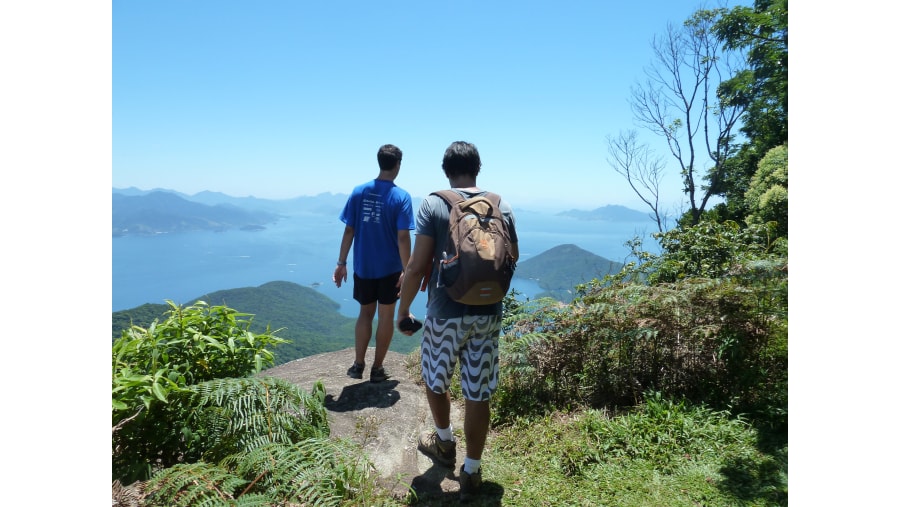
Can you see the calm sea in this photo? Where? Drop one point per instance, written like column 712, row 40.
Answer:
column 302, row 248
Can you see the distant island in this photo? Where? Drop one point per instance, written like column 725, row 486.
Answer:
column 610, row 213
column 561, row 268
column 163, row 212
column 253, row 227
column 138, row 212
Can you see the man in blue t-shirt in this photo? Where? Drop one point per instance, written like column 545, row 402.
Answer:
column 378, row 217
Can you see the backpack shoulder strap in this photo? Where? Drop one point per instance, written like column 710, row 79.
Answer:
column 449, row 196
column 452, row 196
column 494, row 198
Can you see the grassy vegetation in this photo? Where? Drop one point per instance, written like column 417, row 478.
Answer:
column 659, row 453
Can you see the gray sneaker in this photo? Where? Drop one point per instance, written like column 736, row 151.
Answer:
column 441, row 451
column 468, row 483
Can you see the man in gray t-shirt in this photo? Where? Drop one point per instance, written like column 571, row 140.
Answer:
column 454, row 332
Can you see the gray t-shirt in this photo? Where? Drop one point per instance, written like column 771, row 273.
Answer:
column 433, row 220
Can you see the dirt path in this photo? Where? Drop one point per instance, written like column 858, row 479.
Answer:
column 386, row 418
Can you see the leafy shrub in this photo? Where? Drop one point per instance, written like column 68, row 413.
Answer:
column 192, row 345
column 195, row 423
column 721, row 341
column 713, row 250
column 767, row 195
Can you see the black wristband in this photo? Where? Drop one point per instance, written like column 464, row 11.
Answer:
column 342, row 263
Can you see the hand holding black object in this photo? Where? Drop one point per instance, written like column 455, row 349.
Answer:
column 410, row 324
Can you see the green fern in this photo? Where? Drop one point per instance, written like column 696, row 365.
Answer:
column 271, row 445
column 193, row 484
column 317, row 471
column 234, row 415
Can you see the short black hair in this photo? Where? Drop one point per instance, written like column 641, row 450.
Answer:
column 388, row 157
column 461, row 158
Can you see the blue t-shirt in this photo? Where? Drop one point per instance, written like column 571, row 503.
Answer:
column 433, row 220
column 377, row 210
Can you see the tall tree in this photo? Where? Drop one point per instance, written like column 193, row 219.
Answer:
column 681, row 101
column 767, row 195
column 761, row 31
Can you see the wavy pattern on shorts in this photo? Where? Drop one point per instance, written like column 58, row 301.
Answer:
column 439, row 352
column 473, row 340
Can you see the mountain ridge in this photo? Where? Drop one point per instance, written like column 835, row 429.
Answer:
column 253, row 212
column 559, row 269
column 163, row 212
column 608, row 213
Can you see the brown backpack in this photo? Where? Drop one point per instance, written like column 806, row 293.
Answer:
column 478, row 268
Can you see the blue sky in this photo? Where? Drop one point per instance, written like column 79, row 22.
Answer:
column 279, row 99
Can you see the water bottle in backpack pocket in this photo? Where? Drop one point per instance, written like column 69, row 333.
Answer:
column 448, row 270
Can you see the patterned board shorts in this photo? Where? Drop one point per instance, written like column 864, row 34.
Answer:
column 471, row 340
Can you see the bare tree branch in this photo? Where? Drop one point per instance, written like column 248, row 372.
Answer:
column 680, row 101
column 641, row 168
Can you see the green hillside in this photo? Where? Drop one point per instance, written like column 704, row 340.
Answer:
column 311, row 320
column 561, row 268
column 314, row 324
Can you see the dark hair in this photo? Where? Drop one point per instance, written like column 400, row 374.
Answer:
column 388, row 157
column 461, row 158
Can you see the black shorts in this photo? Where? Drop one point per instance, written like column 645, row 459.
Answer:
column 384, row 290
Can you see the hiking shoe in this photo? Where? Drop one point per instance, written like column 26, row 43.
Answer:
column 441, row 451
column 378, row 375
column 468, row 483
column 356, row 370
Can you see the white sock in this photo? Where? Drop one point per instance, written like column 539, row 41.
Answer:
column 471, row 465
column 445, row 434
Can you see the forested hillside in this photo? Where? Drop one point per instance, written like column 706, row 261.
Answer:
column 561, row 268
column 310, row 320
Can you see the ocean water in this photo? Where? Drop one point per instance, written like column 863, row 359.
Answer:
column 303, row 248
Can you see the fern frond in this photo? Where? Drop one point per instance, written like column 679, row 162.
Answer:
column 193, row 484
column 252, row 500
column 317, row 471
column 239, row 414
column 515, row 354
